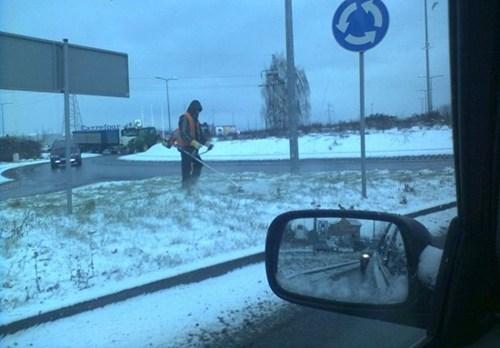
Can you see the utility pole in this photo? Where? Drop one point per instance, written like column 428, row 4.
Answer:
column 422, row 103
column 424, row 91
column 3, row 121
column 428, row 90
column 328, row 110
column 427, row 67
column 291, row 82
column 75, row 117
column 74, row 113
column 168, row 98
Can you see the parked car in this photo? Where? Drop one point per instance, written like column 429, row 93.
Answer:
column 58, row 154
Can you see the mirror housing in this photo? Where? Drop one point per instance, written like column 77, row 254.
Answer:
column 414, row 310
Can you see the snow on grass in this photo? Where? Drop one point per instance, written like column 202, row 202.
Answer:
column 126, row 233
column 390, row 143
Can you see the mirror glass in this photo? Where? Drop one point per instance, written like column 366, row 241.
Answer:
column 343, row 259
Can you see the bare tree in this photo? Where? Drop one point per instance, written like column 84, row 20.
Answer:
column 274, row 109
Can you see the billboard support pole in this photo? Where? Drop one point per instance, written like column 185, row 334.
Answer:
column 67, row 129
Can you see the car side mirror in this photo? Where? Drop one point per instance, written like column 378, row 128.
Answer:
column 354, row 262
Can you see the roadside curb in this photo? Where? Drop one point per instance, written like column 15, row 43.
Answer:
column 162, row 284
column 435, row 157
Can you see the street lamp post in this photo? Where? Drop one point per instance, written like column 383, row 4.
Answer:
column 428, row 78
column 3, row 121
column 168, row 99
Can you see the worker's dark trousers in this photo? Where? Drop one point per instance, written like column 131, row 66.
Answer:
column 191, row 168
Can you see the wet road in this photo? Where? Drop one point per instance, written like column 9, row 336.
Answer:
column 296, row 326
column 40, row 178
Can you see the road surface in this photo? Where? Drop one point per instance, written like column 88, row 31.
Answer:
column 40, row 178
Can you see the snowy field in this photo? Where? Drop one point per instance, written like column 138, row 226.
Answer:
column 390, row 143
column 124, row 234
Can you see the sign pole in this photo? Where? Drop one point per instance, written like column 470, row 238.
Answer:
column 67, row 130
column 360, row 25
column 362, row 120
column 93, row 72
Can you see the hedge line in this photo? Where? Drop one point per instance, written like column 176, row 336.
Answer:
column 26, row 148
column 375, row 121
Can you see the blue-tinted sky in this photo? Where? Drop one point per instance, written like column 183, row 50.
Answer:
column 197, row 41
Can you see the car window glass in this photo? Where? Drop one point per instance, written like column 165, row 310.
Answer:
column 139, row 215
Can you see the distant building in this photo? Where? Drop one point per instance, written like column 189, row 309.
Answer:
column 347, row 231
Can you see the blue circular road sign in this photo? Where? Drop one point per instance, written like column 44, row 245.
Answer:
column 359, row 25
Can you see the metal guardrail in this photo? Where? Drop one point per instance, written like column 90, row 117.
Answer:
column 322, row 269
column 385, row 276
column 270, row 161
column 432, row 210
column 185, row 278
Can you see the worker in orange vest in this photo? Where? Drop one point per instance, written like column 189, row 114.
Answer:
column 189, row 141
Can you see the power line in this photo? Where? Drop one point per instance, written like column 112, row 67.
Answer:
column 219, row 77
column 200, row 77
column 216, row 87
column 189, row 88
column 36, row 101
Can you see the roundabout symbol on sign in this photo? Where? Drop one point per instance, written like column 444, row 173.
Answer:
column 359, row 25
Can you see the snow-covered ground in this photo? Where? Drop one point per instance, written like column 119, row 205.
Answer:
column 184, row 316
column 390, row 143
column 127, row 233
column 229, row 308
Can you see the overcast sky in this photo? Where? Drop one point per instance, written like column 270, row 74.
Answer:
column 218, row 48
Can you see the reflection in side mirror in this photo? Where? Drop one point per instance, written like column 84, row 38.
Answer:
column 343, row 259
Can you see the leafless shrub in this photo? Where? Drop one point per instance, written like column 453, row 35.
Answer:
column 13, row 231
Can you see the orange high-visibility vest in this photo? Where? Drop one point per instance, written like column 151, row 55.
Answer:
column 192, row 131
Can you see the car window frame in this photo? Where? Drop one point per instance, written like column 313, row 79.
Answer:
column 465, row 292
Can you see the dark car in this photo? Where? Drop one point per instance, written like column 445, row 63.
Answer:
column 58, row 154
column 364, row 259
